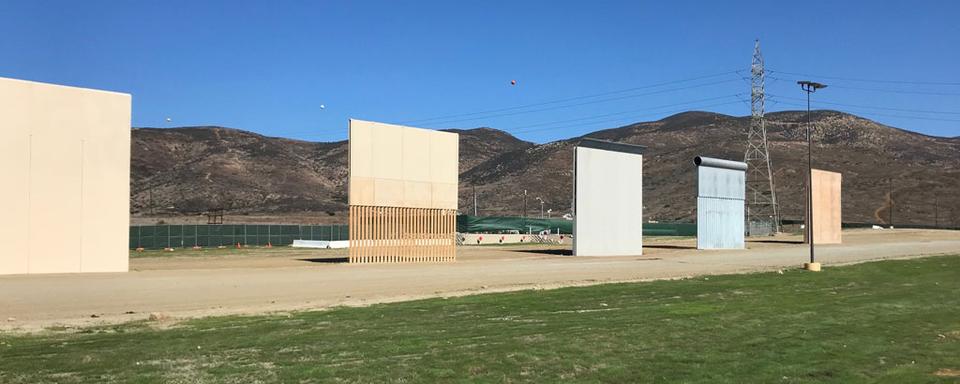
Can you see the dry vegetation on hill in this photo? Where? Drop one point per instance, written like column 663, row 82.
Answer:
column 189, row 170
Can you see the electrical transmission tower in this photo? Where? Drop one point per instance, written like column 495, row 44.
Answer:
column 763, row 214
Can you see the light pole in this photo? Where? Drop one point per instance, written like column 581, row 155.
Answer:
column 524, row 215
column 810, row 87
column 541, row 206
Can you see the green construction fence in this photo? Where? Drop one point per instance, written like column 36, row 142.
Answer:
column 504, row 224
column 214, row 235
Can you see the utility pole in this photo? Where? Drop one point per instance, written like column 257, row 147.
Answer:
column 524, row 214
column 810, row 87
column 150, row 191
column 936, row 211
column 475, row 200
column 890, row 200
column 762, row 209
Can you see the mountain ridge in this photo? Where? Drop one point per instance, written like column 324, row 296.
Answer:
column 187, row 170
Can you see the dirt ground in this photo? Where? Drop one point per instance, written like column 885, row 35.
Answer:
column 187, row 284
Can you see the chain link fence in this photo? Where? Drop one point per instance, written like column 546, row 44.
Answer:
column 200, row 235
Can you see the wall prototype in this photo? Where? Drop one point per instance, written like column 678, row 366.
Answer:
column 827, row 212
column 403, row 193
column 721, row 187
column 65, row 157
column 608, row 199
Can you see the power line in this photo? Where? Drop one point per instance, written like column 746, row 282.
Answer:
column 885, row 81
column 584, row 125
column 626, row 112
column 899, row 91
column 868, row 113
column 585, row 103
column 524, row 109
column 574, row 98
column 320, row 132
column 871, row 107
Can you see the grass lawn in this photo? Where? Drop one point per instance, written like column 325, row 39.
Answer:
column 891, row 321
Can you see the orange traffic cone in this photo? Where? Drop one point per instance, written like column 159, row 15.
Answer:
column 238, row 245
column 269, row 245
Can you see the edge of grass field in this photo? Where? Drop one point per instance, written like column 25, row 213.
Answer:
column 173, row 318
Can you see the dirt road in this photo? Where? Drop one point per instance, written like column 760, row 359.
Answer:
column 289, row 279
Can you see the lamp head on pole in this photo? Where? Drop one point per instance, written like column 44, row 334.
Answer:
column 810, row 86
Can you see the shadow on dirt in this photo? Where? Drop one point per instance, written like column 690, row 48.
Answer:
column 555, row 252
column 669, row 246
column 771, row 241
column 327, row 260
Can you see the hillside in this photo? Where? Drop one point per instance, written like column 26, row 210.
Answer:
column 193, row 169
column 189, row 170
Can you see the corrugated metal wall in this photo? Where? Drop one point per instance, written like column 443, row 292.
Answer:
column 720, row 207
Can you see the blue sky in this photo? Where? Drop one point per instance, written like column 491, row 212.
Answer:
column 269, row 66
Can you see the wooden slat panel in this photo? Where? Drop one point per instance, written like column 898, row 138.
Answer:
column 398, row 235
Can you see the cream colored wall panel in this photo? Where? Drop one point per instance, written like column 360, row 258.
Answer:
column 15, row 193
column 361, row 151
column 827, row 209
column 444, row 196
column 55, row 204
column 418, row 193
column 416, row 155
column 404, row 210
column 104, row 224
column 445, row 149
column 68, row 151
column 387, row 152
column 361, row 191
column 392, row 155
column 388, row 193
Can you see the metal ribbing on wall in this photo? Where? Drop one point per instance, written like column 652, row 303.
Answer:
column 720, row 203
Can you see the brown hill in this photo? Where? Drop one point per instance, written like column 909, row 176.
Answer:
column 192, row 169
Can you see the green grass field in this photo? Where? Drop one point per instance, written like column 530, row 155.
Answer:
column 891, row 322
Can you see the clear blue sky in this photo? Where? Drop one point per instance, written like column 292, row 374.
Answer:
column 268, row 66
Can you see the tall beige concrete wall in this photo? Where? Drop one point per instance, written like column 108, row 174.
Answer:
column 403, row 193
column 398, row 166
column 65, row 159
column 827, row 212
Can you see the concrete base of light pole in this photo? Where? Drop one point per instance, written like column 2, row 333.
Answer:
column 812, row 267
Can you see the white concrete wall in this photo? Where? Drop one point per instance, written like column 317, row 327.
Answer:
column 608, row 203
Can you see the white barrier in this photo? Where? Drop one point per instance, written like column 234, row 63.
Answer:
column 491, row 238
column 321, row 244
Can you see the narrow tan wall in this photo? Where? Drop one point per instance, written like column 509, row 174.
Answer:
column 826, row 207
column 65, row 154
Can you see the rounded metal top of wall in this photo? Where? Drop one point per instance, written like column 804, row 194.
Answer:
column 702, row 161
